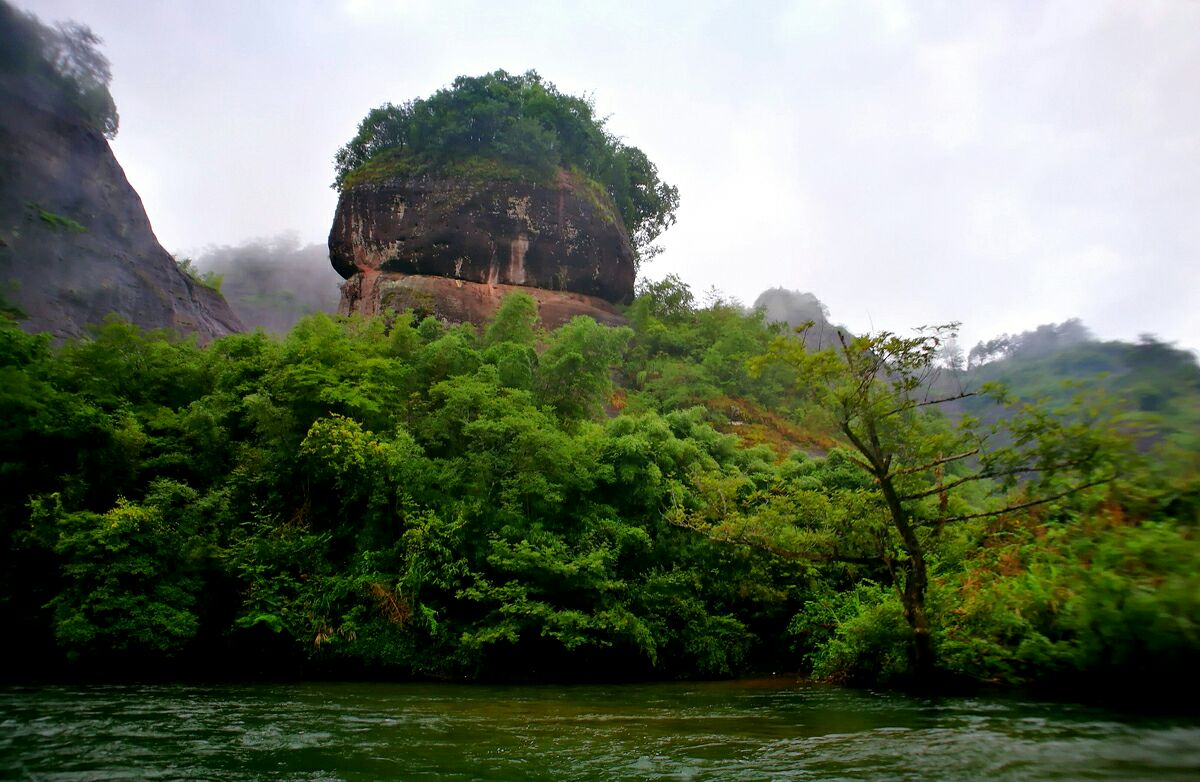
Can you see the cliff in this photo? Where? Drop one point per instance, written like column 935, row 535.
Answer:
column 452, row 247
column 75, row 241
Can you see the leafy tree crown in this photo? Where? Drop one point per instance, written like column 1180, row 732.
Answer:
column 502, row 125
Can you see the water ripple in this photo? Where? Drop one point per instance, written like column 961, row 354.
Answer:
column 722, row 731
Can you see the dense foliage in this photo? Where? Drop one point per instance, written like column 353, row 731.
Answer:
column 409, row 499
column 507, row 126
column 66, row 58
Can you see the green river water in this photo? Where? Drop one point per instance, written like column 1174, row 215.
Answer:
column 756, row 730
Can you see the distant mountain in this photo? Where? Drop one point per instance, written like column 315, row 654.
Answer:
column 796, row 308
column 1157, row 382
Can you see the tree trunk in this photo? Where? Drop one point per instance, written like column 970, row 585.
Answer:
column 920, row 658
column 916, row 580
column 912, row 596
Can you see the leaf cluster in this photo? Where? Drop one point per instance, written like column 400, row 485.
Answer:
column 506, row 126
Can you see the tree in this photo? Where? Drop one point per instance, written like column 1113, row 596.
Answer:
column 515, row 127
column 575, row 371
column 510, row 340
column 516, row 321
column 130, row 576
column 952, row 356
column 669, row 299
column 875, row 391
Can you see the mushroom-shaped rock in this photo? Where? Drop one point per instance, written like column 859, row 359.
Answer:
column 565, row 239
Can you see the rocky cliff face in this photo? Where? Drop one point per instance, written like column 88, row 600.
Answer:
column 452, row 248
column 75, row 242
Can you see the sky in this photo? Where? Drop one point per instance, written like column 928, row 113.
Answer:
column 1000, row 164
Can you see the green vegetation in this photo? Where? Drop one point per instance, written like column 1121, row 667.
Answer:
column 501, row 127
column 209, row 279
column 401, row 163
column 696, row 494
column 1155, row 381
column 55, row 221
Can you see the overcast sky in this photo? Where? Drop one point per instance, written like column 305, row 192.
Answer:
column 1001, row 164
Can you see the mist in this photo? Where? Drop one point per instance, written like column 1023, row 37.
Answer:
column 1046, row 338
column 271, row 283
column 797, row 308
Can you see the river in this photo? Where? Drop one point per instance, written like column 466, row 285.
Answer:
column 744, row 730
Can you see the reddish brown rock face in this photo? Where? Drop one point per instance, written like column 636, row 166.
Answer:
column 458, row 301
column 564, row 239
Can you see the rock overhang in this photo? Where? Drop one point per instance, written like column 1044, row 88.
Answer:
column 563, row 236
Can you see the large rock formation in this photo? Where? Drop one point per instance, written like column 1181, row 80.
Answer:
column 801, row 309
column 75, row 242
column 454, row 247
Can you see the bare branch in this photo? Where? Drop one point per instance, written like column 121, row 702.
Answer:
column 910, row 405
column 875, row 468
column 931, row 465
column 985, row 475
column 860, row 464
column 1020, row 506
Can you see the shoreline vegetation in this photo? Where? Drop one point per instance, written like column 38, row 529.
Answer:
column 395, row 499
column 704, row 493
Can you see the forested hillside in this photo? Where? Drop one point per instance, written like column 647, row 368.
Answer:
column 1154, row 381
column 696, row 494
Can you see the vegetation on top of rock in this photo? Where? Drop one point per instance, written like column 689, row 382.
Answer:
column 508, row 127
column 66, row 56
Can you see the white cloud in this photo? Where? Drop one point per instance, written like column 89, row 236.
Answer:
column 953, row 107
column 999, row 164
column 380, row 11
